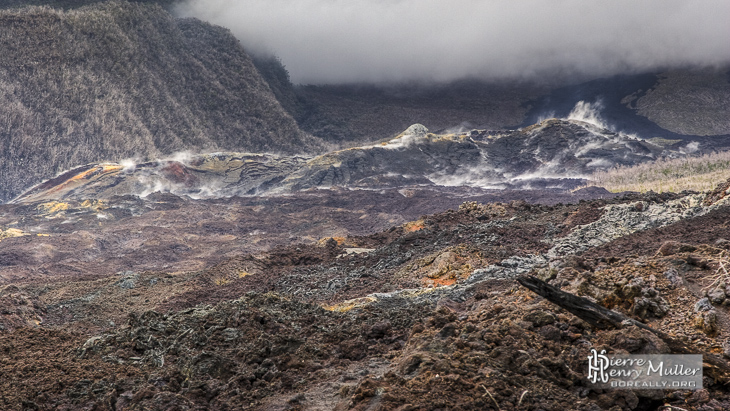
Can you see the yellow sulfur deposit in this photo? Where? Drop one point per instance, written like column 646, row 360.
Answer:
column 11, row 232
column 350, row 304
column 52, row 208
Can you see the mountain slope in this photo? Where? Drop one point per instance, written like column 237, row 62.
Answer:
column 677, row 103
column 117, row 80
column 671, row 104
column 689, row 102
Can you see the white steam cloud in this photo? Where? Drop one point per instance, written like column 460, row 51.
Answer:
column 337, row 41
column 588, row 113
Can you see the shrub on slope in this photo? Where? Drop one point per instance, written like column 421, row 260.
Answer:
column 689, row 173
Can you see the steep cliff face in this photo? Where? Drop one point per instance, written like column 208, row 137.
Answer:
column 117, row 80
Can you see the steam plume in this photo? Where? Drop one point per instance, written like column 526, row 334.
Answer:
column 335, row 41
column 588, row 113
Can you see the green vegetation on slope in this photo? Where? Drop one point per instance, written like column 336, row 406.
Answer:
column 118, row 79
column 690, row 173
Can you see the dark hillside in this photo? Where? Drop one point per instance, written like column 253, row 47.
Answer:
column 119, row 79
column 679, row 103
column 276, row 75
column 609, row 93
column 370, row 112
column 672, row 104
column 355, row 113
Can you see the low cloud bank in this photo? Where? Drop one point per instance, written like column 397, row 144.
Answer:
column 339, row 41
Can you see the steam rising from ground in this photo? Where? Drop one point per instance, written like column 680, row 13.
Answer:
column 335, row 41
column 588, row 113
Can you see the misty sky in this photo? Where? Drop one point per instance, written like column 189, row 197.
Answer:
column 337, row 41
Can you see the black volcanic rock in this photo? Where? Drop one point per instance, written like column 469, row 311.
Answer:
column 553, row 149
column 555, row 154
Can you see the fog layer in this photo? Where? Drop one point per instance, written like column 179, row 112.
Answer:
column 337, row 41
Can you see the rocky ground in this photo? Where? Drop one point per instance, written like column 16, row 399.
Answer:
column 171, row 303
column 552, row 154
